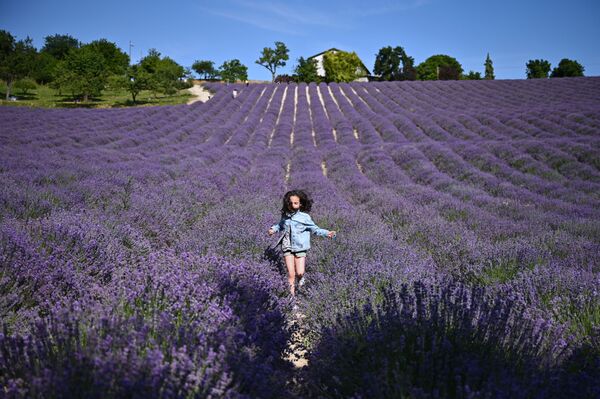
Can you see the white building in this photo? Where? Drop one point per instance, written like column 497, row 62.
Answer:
column 364, row 72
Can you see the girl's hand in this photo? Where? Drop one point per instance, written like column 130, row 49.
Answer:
column 331, row 234
column 271, row 232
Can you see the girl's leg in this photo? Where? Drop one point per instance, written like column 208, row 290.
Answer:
column 289, row 263
column 300, row 262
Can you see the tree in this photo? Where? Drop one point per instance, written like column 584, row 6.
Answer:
column 58, row 46
column 134, row 80
column 306, row 70
column 439, row 67
column 342, row 66
column 115, row 60
column 489, row 68
column 82, row 72
column 387, row 63
column 149, row 65
column 233, row 70
column 537, row 69
column 408, row 68
column 17, row 59
column 394, row 64
column 206, row 68
column 44, row 69
column 168, row 76
column 274, row 58
column 163, row 74
column 472, row 75
column 25, row 84
column 567, row 68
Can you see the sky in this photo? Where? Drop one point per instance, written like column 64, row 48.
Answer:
column 511, row 31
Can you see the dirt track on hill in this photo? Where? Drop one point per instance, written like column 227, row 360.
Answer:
column 200, row 92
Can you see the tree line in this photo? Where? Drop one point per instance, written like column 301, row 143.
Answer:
column 391, row 63
column 85, row 69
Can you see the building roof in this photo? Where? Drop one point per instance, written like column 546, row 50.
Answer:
column 323, row 52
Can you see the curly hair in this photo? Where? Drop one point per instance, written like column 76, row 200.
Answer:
column 305, row 202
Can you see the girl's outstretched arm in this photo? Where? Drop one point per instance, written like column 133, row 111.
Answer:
column 276, row 227
column 313, row 228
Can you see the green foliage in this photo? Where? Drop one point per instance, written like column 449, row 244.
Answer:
column 306, row 70
column 82, row 73
column 387, row 64
column 472, row 75
column 439, row 67
column 342, row 66
column 537, row 69
column 45, row 65
column 45, row 96
column 489, row 68
column 7, row 44
column 567, row 68
column 168, row 76
column 206, row 68
column 272, row 58
column 161, row 75
column 58, row 46
column 233, row 70
column 133, row 81
column 115, row 60
column 17, row 59
column 24, row 85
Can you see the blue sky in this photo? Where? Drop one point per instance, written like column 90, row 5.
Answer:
column 512, row 31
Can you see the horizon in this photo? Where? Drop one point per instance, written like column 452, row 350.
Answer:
column 241, row 29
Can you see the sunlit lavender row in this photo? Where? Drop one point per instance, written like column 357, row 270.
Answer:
column 135, row 260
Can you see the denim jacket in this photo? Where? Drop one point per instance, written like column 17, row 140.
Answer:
column 300, row 226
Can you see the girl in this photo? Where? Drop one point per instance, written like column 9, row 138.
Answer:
column 296, row 225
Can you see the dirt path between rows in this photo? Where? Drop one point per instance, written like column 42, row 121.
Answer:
column 200, row 92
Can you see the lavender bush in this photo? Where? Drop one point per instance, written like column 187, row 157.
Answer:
column 134, row 259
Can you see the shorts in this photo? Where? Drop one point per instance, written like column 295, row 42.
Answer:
column 299, row 254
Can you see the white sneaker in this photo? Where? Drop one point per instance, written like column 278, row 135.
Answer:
column 301, row 281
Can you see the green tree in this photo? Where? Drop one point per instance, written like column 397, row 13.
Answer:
column 58, row 46
column 168, row 76
column 439, row 67
column 537, row 69
column 387, row 63
column 408, row 68
column 149, row 65
column 115, row 60
column 17, row 59
column 82, row 72
column 342, row 66
column 394, row 64
column 134, row 80
column 163, row 74
column 472, row 75
column 567, row 68
column 24, row 85
column 233, row 70
column 206, row 68
column 306, row 70
column 272, row 58
column 44, row 69
column 489, row 68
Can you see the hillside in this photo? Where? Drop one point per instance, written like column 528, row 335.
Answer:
column 134, row 244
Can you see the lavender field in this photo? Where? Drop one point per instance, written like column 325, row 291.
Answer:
column 135, row 260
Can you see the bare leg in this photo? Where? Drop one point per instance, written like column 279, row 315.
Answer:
column 300, row 262
column 289, row 263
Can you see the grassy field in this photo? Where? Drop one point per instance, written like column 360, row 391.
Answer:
column 47, row 97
